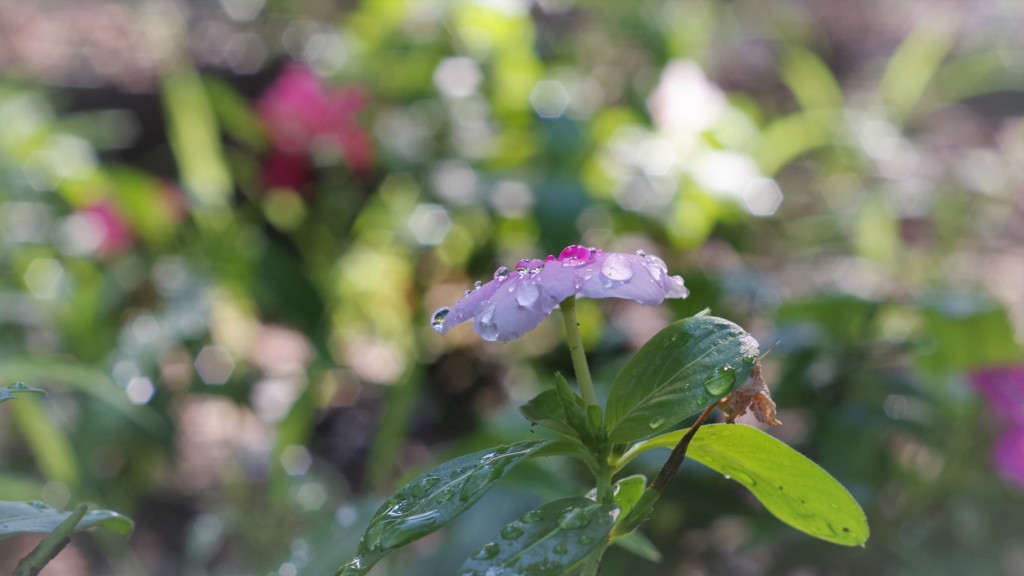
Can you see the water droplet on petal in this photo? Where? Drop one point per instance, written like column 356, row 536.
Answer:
column 487, row 551
column 641, row 253
column 486, row 326
column 656, row 266
column 616, row 270
column 501, row 273
column 511, row 532
column 437, row 320
column 527, row 293
column 477, row 285
column 720, row 380
column 577, row 255
column 573, row 519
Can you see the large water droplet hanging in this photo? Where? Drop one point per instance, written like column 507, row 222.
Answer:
column 527, row 293
column 437, row 320
column 616, row 270
column 485, row 324
column 720, row 380
column 573, row 519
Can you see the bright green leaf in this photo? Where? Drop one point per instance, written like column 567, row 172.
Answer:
column 37, row 518
column 790, row 486
column 432, row 500
column 686, row 367
column 546, row 541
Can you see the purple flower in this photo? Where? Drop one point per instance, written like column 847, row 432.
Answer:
column 515, row 301
column 1003, row 389
column 1008, row 455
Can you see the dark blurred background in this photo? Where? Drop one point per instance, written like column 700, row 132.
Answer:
column 224, row 225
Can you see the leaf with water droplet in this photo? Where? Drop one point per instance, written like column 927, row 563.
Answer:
column 551, row 540
column 38, row 518
column 8, row 392
column 428, row 502
column 683, row 369
column 790, row 486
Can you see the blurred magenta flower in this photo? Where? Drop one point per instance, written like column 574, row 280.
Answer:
column 516, row 301
column 113, row 234
column 1008, row 455
column 300, row 112
column 1003, row 389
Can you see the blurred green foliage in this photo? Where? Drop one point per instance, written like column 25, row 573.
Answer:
column 245, row 367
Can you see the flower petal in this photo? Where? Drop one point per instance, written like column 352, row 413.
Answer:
column 638, row 277
column 515, row 302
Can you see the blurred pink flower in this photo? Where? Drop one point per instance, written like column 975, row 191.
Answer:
column 114, row 235
column 1003, row 389
column 516, row 301
column 1008, row 455
column 299, row 111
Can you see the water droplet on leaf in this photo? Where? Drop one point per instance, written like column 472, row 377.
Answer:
column 531, row 517
column 573, row 519
column 560, row 549
column 476, row 481
column 656, row 423
column 511, row 532
column 487, row 551
column 720, row 380
column 424, row 486
column 585, row 539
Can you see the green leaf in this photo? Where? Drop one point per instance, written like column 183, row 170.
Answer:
column 683, row 369
column 434, row 499
column 639, row 545
column 966, row 332
column 37, row 518
column 627, row 491
column 559, row 409
column 790, row 486
column 51, row 545
column 8, row 392
column 50, row 444
column 546, row 541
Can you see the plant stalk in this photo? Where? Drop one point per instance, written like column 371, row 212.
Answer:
column 579, row 359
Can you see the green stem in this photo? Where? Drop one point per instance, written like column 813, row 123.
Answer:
column 593, row 563
column 579, row 359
